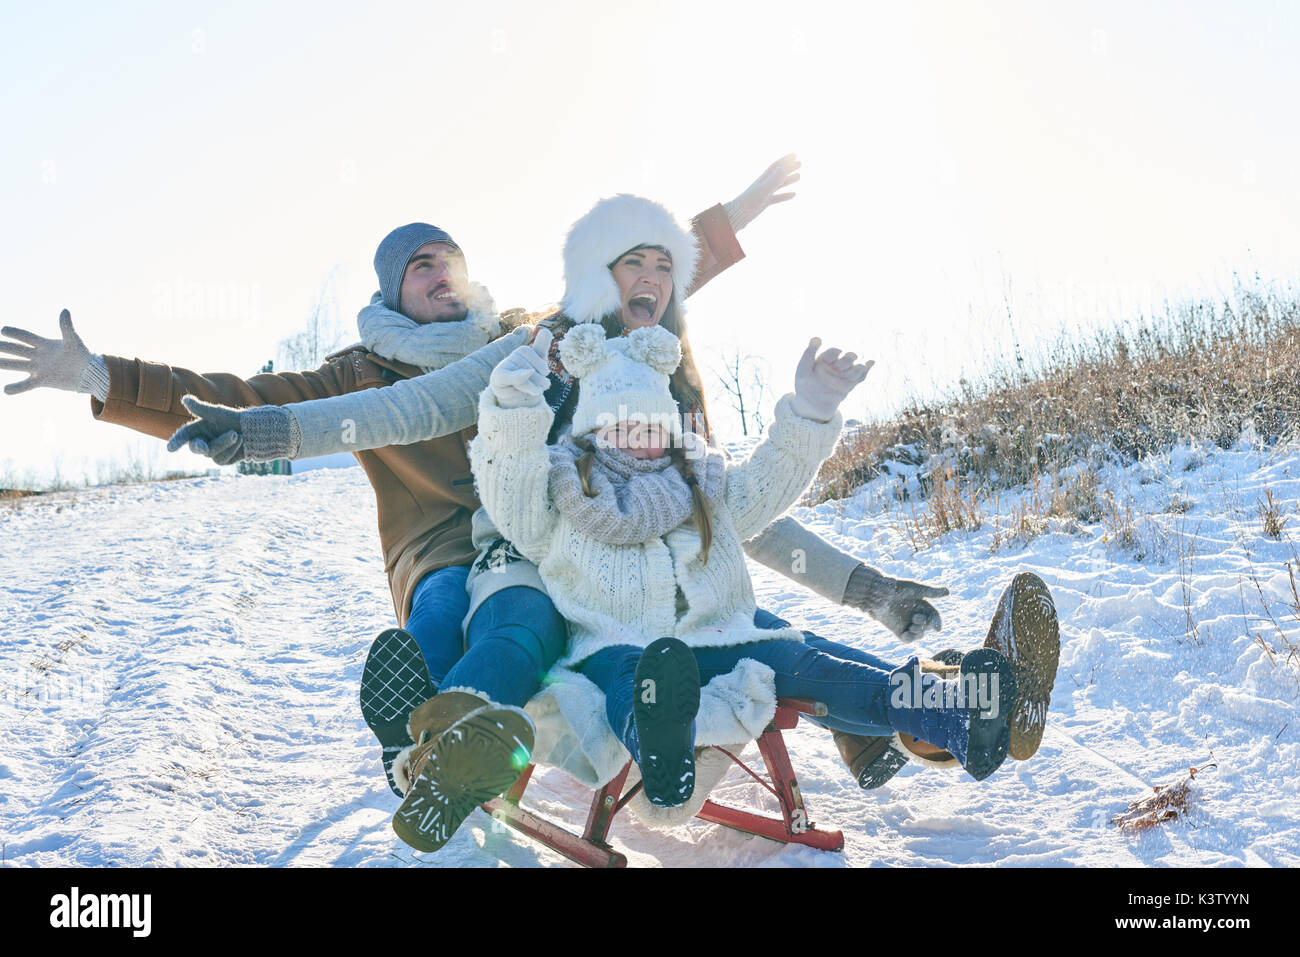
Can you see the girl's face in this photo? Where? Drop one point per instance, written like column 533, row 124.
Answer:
column 644, row 278
column 637, row 439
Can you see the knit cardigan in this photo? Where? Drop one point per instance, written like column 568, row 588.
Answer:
column 627, row 594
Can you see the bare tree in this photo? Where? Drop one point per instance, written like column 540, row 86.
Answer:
column 322, row 334
column 744, row 378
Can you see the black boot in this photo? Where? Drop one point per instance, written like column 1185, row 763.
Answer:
column 394, row 681
column 665, row 700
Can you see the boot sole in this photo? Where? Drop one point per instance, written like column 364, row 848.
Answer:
column 476, row 759
column 990, row 734
column 394, row 681
column 882, row 760
column 1025, row 629
column 663, row 724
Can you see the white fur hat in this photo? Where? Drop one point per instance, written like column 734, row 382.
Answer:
column 610, row 228
column 623, row 379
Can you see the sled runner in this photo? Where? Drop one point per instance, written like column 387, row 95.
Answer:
column 592, row 849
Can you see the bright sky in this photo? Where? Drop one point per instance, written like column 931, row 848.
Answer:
column 183, row 178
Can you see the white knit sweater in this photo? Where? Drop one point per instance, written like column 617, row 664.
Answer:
column 627, row 595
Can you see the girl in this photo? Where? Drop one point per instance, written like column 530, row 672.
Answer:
column 636, row 525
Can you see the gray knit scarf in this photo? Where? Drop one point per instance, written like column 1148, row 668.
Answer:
column 429, row 345
column 636, row 499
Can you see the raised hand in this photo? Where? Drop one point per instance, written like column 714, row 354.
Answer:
column 521, row 378
column 60, row 363
column 822, row 381
column 762, row 193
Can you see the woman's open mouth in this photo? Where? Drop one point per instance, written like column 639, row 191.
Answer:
column 641, row 307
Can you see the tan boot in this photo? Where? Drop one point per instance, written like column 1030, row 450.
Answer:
column 468, row 751
column 1025, row 629
column 872, row 759
column 875, row 759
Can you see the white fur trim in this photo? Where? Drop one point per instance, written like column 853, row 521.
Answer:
column 466, row 689
column 574, row 735
column 401, row 769
column 905, row 751
column 610, row 228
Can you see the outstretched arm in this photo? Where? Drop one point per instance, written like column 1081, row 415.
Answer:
column 716, row 227
column 146, row 396
column 803, row 556
column 411, row 410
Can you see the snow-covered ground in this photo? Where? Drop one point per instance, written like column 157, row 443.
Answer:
column 180, row 661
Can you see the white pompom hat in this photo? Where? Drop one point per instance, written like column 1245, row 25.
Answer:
column 623, row 379
column 612, row 227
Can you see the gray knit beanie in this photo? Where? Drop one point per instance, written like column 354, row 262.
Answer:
column 396, row 251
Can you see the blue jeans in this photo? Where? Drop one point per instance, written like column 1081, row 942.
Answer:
column 769, row 621
column 856, row 694
column 438, row 607
column 514, row 638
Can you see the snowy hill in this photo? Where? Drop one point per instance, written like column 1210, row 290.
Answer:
column 180, row 665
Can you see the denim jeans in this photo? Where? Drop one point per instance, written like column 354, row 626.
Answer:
column 769, row 621
column 438, row 607
column 855, row 693
column 514, row 638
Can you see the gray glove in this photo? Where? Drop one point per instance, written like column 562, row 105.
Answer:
column 262, row 433
column 899, row 605
column 63, row 363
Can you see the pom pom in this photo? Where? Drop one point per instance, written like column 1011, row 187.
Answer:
column 656, row 347
column 583, row 349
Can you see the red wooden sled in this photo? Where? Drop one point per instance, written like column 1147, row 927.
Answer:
column 591, row 849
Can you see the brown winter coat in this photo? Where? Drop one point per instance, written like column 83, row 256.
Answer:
column 424, row 492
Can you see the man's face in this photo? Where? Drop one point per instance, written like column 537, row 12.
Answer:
column 434, row 285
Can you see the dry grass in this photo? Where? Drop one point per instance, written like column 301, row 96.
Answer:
column 1200, row 372
column 1270, row 516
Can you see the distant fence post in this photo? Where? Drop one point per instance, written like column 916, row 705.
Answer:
column 277, row 467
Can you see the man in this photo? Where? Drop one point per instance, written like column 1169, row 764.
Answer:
column 427, row 315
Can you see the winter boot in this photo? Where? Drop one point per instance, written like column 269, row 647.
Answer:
column 394, row 680
column 1026, row 631
column 661, row 737
column 481, row 751
column 872, row 760
column 875, row 759
column 967, row 716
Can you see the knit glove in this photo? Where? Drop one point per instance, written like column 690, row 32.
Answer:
column 822, row 381
column 521, row 378
column 900, row 606
column 63, row 363
column 742, row 210
column 262, row 433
